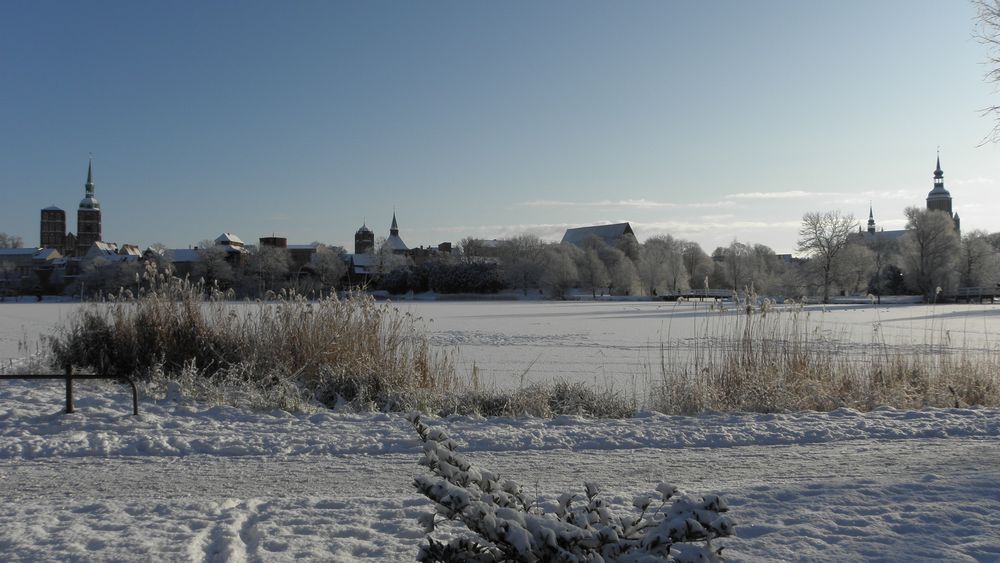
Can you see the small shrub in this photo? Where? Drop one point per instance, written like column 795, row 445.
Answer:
column 509, row 526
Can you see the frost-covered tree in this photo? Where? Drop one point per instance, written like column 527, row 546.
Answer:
column 822, row 237
column 696, row 262
column 854, row 267
column 213, row 265
column 592, row 271
column 10, row 241
column 560, row 274
column 507, row 525
column 979, row 265
column 988, row 33
column 329, row 265
column 930, row 251
column 661, row 265
column 521, row 261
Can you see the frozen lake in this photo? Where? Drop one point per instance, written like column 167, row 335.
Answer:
column 611, row 342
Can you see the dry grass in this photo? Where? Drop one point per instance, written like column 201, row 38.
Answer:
column 771, row 359
column 282, row 351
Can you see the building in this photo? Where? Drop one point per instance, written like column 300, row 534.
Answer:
column 88, row 216
column 364, row 240
column 53, row 231
column 939, row 199
column 394, row 243
column 612, row 235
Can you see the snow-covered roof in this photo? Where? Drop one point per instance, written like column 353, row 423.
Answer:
column 228, row 238
column 47, row 254
column 52, row 208
column 11, row 252
column 90, row 202
column 178, row 255
column 396, row 244
column 130, row 250
column 608, row 233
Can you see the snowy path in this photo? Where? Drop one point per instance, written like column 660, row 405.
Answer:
column 192, row 482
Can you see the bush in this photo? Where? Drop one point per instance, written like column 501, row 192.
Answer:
column 509, row 526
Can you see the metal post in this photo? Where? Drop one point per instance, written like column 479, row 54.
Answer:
column 69, row 389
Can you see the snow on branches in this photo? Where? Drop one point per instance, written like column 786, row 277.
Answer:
column 508, row 526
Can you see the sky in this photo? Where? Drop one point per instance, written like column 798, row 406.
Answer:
column 705, row 121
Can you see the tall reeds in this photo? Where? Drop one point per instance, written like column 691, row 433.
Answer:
column 762, row 357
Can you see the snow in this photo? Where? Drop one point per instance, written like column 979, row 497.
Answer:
column 187, row 481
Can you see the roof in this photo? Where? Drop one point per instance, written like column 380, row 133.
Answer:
column 47, row 254
column 18, row 251
column 183, row 255
column 608, row 233
column 303, row 246
column 885, row 235
column 130, row 250
column 396, row 244
column 52, row 208
column 229, row 238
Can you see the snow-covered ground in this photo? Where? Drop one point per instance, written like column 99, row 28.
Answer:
column 193, row 482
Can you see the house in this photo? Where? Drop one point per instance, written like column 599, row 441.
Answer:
column 612, row 235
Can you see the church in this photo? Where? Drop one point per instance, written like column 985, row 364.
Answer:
column 938, row 199
column 88, row 223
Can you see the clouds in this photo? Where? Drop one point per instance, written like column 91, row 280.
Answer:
column 627, row 204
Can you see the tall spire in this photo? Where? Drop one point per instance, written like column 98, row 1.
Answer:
column 394, row 228
column 871, row 219
column 90, row 177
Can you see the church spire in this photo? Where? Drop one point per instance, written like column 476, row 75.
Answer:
column 871, row 219
column 90, row 177
column 394, row 228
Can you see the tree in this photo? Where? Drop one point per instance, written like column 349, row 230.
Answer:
column 930, row 251
column 661, row 266
column 593, row 272
column 978, row 266
column 884, row 249
column 10, row 241
column 213, row 265
column 560, row 273
column 521, row 261
column 822, row 237
column 854, row 267
column 329, row 265
column 988, row 33
column 696, row 262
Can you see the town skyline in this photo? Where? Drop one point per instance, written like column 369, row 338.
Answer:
column 488, row 121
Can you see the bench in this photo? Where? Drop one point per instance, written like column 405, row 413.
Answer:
column 69, row 376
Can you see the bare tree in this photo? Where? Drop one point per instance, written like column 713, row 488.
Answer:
column 822, row 237
column 930, row 251
column 10, row 241
column 988, row 33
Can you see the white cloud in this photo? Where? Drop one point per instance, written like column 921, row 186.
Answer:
column 791, row 194
column 978, row 180
column 627, row 204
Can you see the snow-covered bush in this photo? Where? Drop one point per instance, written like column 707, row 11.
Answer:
column 509, row 526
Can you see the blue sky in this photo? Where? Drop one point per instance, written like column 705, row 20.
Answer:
column 707, row 121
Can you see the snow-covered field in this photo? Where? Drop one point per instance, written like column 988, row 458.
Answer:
column 192, row 482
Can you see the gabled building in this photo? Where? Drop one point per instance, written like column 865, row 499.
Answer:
column 611, row 235
column 394, row 243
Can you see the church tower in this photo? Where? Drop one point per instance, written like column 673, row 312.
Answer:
column 364, row 240
column 53, row 231
column 939, row 199
column 88, row 216
column 871, row 220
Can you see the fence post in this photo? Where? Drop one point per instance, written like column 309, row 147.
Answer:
column 69, row 389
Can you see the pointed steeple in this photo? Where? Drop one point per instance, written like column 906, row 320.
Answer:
column 938, row 173
column 89, row 187
column 871, row 219
column 394, row 228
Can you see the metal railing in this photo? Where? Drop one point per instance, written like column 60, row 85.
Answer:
column 69, row 376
